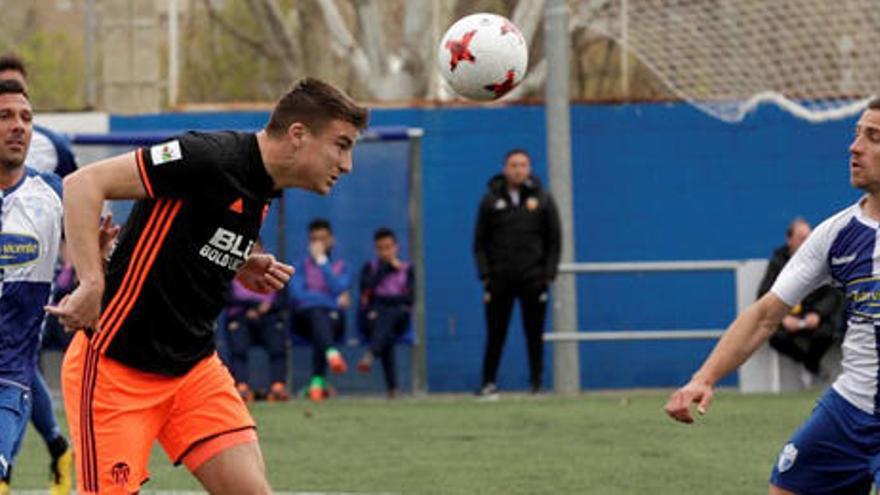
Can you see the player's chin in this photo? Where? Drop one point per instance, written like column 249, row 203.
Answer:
column 856, row 182
column 318, row 188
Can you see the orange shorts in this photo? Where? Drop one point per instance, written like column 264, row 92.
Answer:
column 115, row 413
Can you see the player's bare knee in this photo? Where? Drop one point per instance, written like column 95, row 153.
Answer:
column 775, row 490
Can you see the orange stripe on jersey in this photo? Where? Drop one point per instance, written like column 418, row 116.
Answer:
column 136, row 255
column 141, row 275
column 152, row 237
column 142, row 169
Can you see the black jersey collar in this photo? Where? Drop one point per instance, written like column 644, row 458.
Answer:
column 262, row 180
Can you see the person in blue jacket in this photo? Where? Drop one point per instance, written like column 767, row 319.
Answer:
column 319, row 296
column 387, row 286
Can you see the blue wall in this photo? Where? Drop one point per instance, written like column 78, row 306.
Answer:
column 650, row 182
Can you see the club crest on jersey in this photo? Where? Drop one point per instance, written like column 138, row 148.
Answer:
column 120, row 473
column 500, row 204
column 166, row 152
column 787, row 457
column 18, row 249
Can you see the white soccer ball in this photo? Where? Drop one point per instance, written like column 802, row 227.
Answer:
column 483, row 56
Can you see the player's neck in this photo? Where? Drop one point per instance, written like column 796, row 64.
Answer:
column 269, row 155
column 871, row 207
column 10, row 176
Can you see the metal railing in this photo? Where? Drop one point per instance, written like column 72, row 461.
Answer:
column 747, row 273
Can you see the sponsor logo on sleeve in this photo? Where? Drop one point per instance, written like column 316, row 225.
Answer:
column 166, row 152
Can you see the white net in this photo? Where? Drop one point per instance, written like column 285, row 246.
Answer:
column 818, row 59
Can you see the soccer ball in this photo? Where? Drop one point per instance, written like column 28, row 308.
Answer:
column 483, row 56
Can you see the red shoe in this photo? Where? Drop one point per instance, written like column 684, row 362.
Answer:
column 245, row 392
column 316, row 393
column 337, row 363
column 365, row 363
column 278, row 393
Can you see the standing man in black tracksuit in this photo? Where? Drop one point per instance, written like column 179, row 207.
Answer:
column 517, row 245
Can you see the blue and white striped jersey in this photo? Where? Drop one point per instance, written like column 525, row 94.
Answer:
column 30, row 231
column 844, row 250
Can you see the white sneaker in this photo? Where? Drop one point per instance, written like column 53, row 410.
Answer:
column 488, row 393
column 806, row 379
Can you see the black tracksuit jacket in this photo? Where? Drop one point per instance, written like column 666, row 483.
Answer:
column 517, row 243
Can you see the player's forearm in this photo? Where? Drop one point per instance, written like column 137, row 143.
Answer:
column 743, row 337
column 82, row 212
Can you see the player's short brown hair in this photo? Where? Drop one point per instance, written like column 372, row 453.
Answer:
column 10, row 61
column 12, row 86
column 315, row 104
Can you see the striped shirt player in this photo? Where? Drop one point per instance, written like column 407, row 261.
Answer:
column 145, row 367
column 30, row 227
column 841, row 250
column 837, row 450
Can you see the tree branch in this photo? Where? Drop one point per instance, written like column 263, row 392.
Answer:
column 251, row 43
column 269, row 15
column 344, row 44
column 527, row 15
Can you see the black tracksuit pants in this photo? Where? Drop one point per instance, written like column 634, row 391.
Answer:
column 270, row 332
column 807, row 346
column 498, row 302
column 391, row 322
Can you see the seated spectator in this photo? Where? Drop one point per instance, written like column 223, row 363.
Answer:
column 255, row 319
column 807, row 332
column 387, row 290
column 319, row 295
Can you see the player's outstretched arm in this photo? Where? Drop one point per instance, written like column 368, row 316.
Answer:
column 84, row 193
column 747, row 332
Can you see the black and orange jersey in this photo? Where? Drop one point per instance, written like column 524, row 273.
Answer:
column 168, row 279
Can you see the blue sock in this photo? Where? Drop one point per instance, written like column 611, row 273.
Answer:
column 41, row 414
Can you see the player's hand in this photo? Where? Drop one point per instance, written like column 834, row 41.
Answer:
column 344, row 300
column 791, row 324
column 318, row 251
column 107, row 235
column 812, row 320
column 678, row 407
column 264, row 308
column 80, row 309
column 263, row 273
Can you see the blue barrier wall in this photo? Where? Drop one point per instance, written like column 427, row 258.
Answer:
column 651, row 182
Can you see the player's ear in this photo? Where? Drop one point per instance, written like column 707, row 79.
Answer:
column 296, row 131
